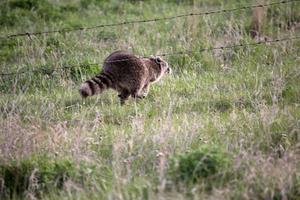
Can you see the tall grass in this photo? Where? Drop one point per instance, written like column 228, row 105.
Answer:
column 226, row 120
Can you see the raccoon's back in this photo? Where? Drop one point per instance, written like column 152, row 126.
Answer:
column 124, row 66
column 121, row 59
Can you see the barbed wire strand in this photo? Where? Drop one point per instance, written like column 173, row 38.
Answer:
column 148, row 20
column 231, row 46
column 47, row 70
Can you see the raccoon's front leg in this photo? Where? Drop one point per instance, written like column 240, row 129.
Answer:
column 140, row 93
column 145, row 91
column 123, row 96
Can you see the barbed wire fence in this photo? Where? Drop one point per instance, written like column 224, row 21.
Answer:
column 187, row 52
column 147, row 20
column 47, row 70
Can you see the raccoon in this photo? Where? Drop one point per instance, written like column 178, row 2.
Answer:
column 128, row 74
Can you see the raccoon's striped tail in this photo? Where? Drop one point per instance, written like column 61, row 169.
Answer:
column 96, row 85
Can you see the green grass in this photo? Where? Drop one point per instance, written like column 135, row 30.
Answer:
column 224, row 125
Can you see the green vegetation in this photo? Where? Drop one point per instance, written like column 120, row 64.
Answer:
column 203, row 163
column 224, row 125
column 39, row 174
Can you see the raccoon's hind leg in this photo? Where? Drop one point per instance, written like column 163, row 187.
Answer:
column 124, row 96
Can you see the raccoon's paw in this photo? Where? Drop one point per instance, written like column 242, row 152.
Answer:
column 123, row 96
column 122, row 102
column 143, row 96
column 140, row 96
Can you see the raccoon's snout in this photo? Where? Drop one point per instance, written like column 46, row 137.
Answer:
column 169, row 70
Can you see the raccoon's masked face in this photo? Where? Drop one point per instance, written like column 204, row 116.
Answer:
column 164, row 66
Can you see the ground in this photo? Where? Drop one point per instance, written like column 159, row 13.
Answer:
column 224, row 125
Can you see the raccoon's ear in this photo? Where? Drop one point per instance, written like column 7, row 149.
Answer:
column 156, row 59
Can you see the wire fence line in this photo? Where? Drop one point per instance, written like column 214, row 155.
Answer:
column 29, row 34
column 178, row 53
column 47, row 70
column 231, row 46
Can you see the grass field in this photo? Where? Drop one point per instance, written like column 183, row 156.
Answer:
column 224, row 125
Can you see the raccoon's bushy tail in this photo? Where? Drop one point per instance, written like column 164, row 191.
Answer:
column 96, row 85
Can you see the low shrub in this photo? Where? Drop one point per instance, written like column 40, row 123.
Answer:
column 206, row 162
column 36, row 175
